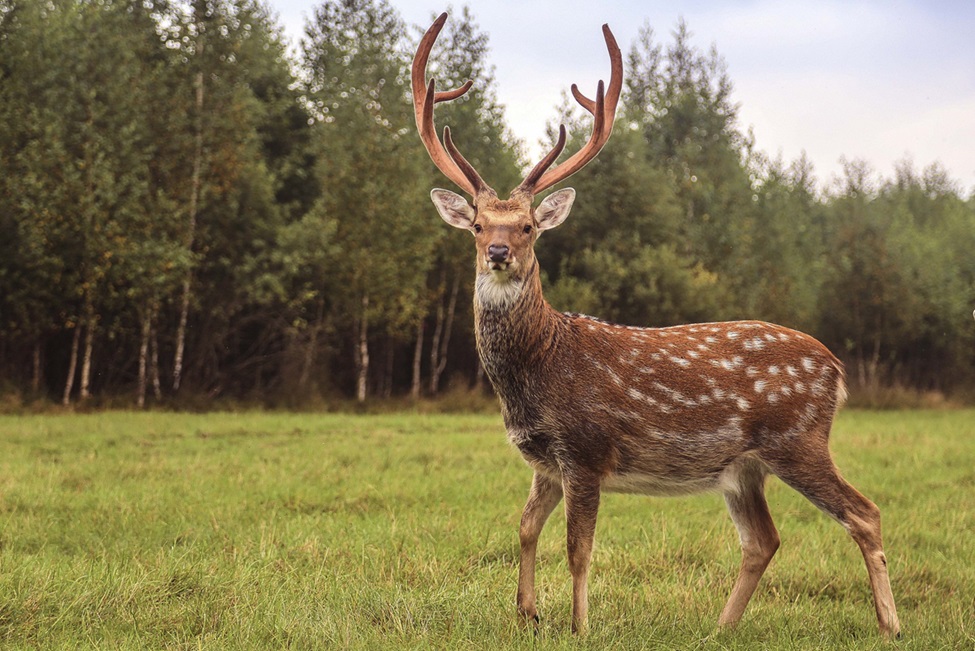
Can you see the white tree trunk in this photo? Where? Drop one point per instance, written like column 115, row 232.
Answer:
column 181, row 334
column 417, row 359
column 140, row 393
column 362, row 358
column 154, row 363
column 84, row 392
column 190, row 235
column 72, row 365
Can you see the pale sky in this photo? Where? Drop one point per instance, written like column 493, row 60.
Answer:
column 871, row 79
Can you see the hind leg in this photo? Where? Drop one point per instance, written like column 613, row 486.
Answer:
column 812, row 473
column 759, row 539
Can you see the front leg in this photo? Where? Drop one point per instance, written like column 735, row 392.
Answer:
column 581, row 508
column 544, row 496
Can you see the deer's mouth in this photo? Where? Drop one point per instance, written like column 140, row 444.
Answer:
column 498, row 266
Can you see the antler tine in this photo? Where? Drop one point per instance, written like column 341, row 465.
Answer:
column 465, row 167
column 604, row 113
column 424, row 99
column 586, row 103
column 447, row 95
column 527, row 186
column 531, row 183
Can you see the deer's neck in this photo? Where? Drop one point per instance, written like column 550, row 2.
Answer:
column 516, row 331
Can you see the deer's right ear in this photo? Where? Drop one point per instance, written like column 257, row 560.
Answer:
column 453, row 208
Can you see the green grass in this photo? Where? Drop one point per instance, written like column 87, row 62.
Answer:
column 251, row 531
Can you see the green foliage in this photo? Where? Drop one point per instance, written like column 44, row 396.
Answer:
column 899, row 288
column 255, row 531
column 681, row 98
column 780, row 247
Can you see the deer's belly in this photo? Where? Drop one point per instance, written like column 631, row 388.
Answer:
column 656, row 485
column 727, row 479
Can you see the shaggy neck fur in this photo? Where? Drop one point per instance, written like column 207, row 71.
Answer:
column 517, row 330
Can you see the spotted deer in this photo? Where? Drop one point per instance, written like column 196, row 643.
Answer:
column 595, row 406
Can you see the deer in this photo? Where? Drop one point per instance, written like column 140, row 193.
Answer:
column 594, row 406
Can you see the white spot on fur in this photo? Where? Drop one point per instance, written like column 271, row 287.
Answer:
column 674, row 395
column 680, row 361
column 773, row 370
column 642, row 397
column 733, row 334
column 617, row 380
column 808, row 364
column 729, row 364
column 755, row 343
column 760, row 385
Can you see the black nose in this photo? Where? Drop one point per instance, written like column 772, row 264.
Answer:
column 498, row 252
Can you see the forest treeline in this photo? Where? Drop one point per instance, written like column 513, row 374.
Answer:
column 191, row 210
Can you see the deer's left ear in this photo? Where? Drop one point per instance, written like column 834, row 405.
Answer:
column 554, row 208
column 453, row 208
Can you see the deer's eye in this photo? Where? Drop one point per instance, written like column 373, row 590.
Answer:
column 477, row 228
column 528, row 229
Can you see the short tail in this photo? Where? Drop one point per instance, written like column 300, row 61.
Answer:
column 841, row 392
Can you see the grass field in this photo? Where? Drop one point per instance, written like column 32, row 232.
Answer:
column 274, row 531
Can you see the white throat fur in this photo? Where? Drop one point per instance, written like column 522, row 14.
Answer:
column 497, row 290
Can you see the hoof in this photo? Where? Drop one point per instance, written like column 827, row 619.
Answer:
column 529, row 619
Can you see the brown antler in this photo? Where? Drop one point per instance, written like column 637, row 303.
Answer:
column 603, row 111
column 453, row 165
